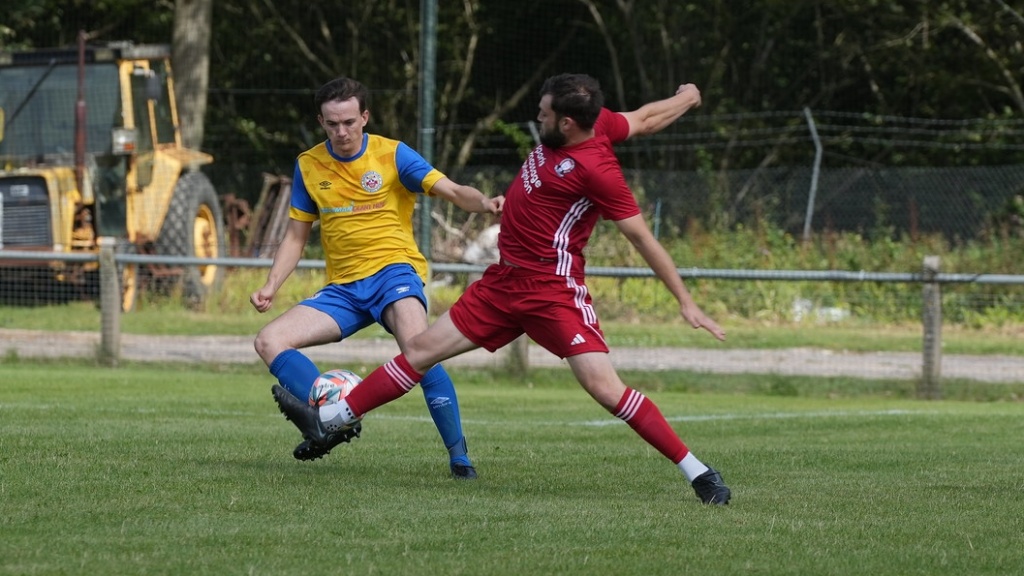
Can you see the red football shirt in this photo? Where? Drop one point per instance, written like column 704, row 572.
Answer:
column 554, row 202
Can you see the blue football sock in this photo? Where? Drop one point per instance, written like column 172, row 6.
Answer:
column 295, row 372
column 439, row 392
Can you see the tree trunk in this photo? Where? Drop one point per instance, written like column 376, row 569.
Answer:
column 191, row 60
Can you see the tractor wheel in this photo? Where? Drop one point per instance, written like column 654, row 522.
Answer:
column 194, row 228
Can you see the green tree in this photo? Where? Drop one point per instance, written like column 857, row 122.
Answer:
column 757, row 63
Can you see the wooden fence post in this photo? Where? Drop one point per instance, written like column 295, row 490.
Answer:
column 110, row 304
column 931, row 318
column 515, row 356
column 517, row 361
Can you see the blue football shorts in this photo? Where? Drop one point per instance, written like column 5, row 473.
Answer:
column 358, row 304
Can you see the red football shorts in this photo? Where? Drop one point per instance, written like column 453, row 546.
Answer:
column 555, row 311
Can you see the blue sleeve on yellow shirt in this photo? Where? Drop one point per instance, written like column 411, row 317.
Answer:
column 412, row 168
column 300, row 197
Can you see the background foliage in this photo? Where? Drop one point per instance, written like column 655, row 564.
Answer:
column 958, row 59
column 919, row 107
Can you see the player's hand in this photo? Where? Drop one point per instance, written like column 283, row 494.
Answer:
column 494, row 205
column 695, row 317
column 688, row 87
column 262, row 299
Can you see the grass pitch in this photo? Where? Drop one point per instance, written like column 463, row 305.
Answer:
column 151, row 469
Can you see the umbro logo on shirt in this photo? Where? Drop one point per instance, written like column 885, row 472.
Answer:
column 578, row 339
column 325, row 184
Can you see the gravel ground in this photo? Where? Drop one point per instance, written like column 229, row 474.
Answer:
column 792, row 361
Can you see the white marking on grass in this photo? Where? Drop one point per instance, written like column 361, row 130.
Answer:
column 772, row 416
column 475, row 422
column 694, row 418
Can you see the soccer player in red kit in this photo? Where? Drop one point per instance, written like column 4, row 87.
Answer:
column 566, row 183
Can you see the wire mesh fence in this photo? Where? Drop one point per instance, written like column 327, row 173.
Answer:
column 624, row 292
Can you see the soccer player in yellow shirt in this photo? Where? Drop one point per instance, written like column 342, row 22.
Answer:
column 362, row 188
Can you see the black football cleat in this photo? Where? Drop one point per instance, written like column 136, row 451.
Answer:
column 463, row 472
column 711, row 489
column 307, row 451
column 305, row 417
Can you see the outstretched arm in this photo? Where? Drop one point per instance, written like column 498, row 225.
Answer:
column 638, row 234
column 466, row 197
column 656, row 116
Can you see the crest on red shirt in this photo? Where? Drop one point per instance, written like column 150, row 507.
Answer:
column 564, row 167
column 372, row 181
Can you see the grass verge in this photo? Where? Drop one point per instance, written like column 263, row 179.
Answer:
column 174, row 320
column 148, row 469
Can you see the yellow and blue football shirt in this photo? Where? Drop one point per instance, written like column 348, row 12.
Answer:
column 365, row 205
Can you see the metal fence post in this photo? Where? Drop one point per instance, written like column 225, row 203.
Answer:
column 110, row 304
column 814, row 173
column 931, row 317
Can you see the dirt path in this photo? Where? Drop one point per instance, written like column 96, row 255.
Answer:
column 793, row 361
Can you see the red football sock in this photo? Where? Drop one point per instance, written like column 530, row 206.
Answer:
column 386, row 383
column 646, row 420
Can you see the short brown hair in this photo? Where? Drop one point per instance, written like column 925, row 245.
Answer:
column 576, row 96
column 342, row 88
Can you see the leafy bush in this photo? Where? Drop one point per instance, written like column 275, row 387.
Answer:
column 776, row 301
column 767, row 248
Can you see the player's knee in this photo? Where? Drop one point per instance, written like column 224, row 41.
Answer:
column 607, row 393
column 420, row 360
column 264, row 345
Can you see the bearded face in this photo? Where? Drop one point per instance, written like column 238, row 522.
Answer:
column 551, row 134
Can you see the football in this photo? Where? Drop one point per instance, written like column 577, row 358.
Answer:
column 332, row 386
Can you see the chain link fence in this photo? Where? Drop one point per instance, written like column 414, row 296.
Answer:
column 926, row 368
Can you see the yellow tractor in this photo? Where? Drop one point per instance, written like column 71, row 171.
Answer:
column 90, row 147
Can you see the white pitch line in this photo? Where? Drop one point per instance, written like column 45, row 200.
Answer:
column 474, row 422
column 776, row 416
column 695, row 418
